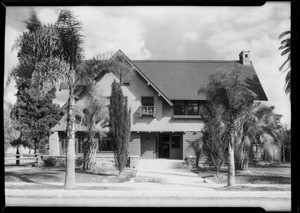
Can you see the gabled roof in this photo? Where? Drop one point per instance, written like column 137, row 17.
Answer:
column 181, row 80
column 148, row 81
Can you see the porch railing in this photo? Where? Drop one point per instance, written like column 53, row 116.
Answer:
column 147, row 110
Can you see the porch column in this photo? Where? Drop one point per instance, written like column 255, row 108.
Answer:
column 54, row 144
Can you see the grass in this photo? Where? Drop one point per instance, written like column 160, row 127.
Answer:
column 57, row 175
column 252, row 188
column 261, row 174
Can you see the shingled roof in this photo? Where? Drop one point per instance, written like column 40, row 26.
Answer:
column 181, row 80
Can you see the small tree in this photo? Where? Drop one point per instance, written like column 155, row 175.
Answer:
column 94, row 119
column 196, row 146
column 214, row 143
column 119, row 123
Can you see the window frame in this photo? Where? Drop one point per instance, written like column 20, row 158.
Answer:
column 186, row 106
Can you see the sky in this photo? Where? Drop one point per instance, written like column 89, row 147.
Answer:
column 174, row 33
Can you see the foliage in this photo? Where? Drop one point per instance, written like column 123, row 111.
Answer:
column 94, row 119
column 79, row 161
column 262, row 129
column 231, row 99
column 33, row 115
column 285, row 47
column 49, row 161
column 119, row 124
column 33, row 23
column 10, row 133
column 196, row 146
column 214, row 143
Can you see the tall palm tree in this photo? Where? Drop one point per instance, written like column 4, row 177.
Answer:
column 227, row 93
column 260, row 129
column 285, row 47
column 70, row 38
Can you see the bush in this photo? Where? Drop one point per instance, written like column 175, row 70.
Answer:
column 49, row 161
column 79, row 161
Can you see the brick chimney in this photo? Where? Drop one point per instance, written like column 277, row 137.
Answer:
column 245, row 57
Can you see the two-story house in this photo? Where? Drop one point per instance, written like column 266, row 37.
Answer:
column 166, row 109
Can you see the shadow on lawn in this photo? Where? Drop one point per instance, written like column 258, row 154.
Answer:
column 273, row 179
column 28, row 177
column 81, row 171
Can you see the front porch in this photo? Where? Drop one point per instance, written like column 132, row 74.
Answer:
column 166, row 145
column 161, row 145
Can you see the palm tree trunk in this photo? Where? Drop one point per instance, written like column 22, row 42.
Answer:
column 231, row 172
column 70, row 181
column 89, row 154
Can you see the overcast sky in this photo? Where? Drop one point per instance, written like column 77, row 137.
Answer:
column 175, row 33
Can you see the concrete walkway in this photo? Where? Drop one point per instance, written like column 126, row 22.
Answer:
column 166, row 171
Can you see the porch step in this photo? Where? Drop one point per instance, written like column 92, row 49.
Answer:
column 161, row 164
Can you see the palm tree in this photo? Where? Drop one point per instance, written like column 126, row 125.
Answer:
column 260, row 129
column 70, row 38
column 285, row 46
column 94, row 119
column 230, row 98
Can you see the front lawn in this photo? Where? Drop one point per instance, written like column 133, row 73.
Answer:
column 57, row 175
column 261, row 174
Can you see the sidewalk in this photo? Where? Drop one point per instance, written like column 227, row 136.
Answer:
column 146, row 195
column 138, row 189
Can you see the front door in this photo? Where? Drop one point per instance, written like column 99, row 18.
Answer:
column 164, row 146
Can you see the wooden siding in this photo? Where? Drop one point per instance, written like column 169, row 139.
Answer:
column 135, row 144
column 148, row 148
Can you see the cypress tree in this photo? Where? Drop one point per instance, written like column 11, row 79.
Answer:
column 119, row 127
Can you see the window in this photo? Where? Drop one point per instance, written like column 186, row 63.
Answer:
column 175, row 140
column 147, row 101
column 104, row 144
column 193, row 108
column 179, row 108
column 186, row 107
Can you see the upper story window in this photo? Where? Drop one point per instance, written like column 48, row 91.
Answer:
column 147, row 101
column 187, row 107
column 147, row 107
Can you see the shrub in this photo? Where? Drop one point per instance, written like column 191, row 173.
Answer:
column 49, row 161
column 79, row 161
